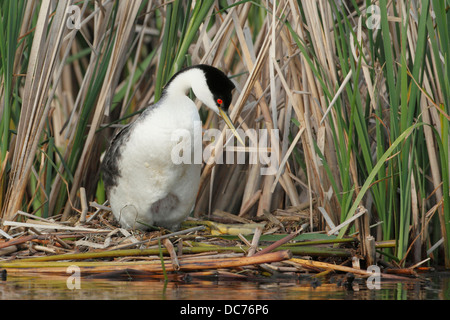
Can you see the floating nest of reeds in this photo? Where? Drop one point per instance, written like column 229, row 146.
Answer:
column 279, row 244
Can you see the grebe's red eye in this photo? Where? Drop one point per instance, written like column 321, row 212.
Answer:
column 219, row 101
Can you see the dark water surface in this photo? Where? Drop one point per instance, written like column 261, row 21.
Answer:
column 433, row 286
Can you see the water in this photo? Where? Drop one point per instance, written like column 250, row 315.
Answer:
column 435, row 287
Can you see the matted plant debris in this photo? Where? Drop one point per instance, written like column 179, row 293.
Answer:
column 233, row 248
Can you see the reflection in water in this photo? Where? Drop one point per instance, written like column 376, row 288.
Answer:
column 32, row 287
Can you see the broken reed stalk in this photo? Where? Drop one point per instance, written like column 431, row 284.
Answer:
column 255, row 241
column 330, row 266
column 173, row 256
column 84, row 205
column 152, row 266
column 369, row 244
column 324, row 265
column 280, row 242
column 18, row 240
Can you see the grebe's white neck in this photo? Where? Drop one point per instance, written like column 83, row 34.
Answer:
column 192, row 78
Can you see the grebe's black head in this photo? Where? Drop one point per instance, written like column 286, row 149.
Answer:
column 210, row 85
column 220, row 85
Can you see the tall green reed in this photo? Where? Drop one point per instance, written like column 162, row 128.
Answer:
column 382, row 130
column 181, row 27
